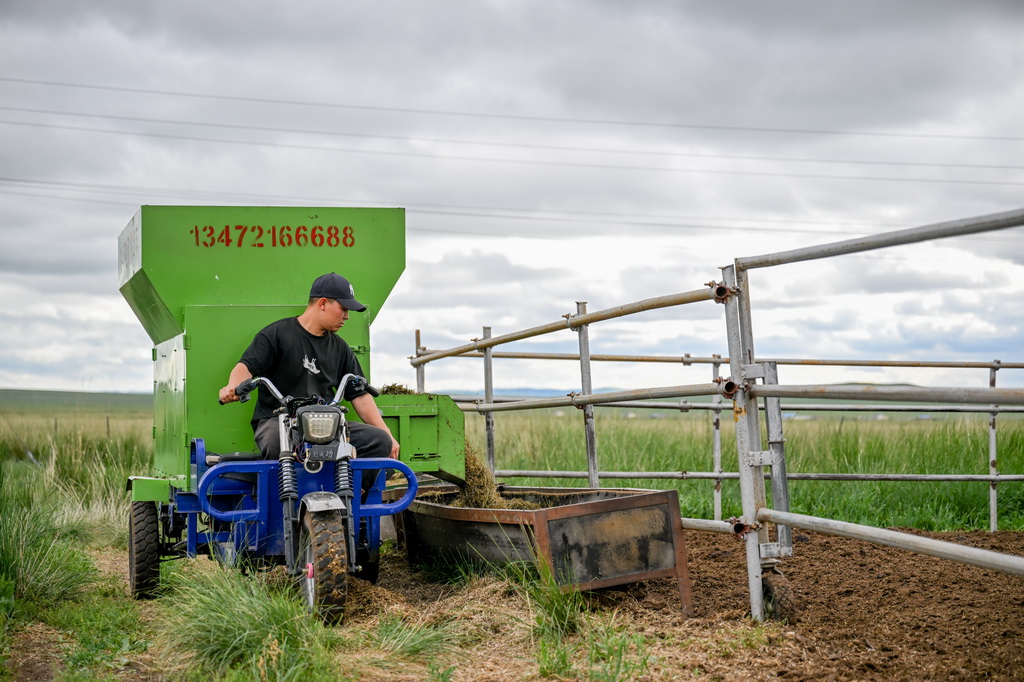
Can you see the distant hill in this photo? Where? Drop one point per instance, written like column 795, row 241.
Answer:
column 14, row 400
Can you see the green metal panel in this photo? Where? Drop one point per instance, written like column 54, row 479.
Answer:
column 146, row 489
column 169, row 407
column 204, row 279
column 430, row 430
column 175, row 256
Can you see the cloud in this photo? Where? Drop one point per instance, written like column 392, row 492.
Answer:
column 547, row 153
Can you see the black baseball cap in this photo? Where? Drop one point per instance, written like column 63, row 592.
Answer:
column 333, row 285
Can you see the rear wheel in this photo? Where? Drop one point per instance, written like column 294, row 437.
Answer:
column 323, row 564
column 780, row 601
column 144, row 550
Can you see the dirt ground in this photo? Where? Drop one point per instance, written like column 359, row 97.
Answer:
column 874, row 612
column 867, row 612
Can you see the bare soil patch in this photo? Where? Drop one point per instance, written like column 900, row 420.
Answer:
column 874, row 612
column 866, row 612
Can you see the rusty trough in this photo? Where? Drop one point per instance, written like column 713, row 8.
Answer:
column 591, row 538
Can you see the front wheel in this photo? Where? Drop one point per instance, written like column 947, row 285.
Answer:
column 144, row 550
column 323, row 564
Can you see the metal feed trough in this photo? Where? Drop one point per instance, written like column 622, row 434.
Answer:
column 589, row 538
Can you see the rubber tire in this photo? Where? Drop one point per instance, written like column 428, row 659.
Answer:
column 780, row 602
column 322, row 547
column 144, row 550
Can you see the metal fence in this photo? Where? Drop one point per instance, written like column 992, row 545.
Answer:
column 473, row 403
column 752, row 379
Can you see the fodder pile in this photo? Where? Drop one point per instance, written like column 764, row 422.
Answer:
column 481, row 490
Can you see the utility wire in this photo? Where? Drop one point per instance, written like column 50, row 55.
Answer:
column 586, row 220
column 528, row 162
column 439, row 209
column 510, row 145
column 582, row 218
column 514, row 117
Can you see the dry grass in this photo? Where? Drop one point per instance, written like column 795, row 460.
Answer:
column 481, row 491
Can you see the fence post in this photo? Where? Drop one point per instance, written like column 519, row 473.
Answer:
column 489, row 398
column 587, row 388
column 716, row 439
column 777, row 446
column 748, row 432
column 993, row 467
column 421, row 370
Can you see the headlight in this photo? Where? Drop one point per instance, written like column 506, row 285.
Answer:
column 319, row 424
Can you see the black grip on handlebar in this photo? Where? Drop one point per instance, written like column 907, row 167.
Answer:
column 243, row 390
column 361, row 384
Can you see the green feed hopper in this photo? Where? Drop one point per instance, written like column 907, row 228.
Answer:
column 204, row 279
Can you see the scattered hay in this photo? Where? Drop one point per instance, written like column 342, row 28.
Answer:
column 396, row 389
column 481, row 491
column 366, row 599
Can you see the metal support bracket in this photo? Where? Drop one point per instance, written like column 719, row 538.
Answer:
column 760, row 458
column 774, row 550
column 754, row 371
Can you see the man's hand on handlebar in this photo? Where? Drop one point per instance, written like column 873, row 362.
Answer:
column 228, row 395
column 239, row 374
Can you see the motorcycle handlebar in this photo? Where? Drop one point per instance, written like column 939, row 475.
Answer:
column 247, row 386
column 358, row 383
column 243, row 390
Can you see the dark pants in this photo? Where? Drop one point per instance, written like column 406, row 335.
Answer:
column 369, row 441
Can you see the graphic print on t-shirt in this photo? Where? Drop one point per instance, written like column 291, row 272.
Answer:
column 310, row 365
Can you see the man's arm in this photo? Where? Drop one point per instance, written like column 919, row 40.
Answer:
column 368, row 412
column 239, row 374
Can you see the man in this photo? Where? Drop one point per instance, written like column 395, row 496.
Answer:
column 304, row 356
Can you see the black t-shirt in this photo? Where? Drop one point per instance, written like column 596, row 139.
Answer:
column 298, row 363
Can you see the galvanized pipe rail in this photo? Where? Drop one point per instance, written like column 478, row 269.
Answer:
column 733, row 475
column 473, row 403
column 581, row 399
column 746, row 371
column 573, row 322
column 688, row 359
column 943, row 230
column 974, row 396
column 946, row 550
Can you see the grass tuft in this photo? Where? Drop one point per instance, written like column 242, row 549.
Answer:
column 37, row 551
column 414, row 640
column 222, row 621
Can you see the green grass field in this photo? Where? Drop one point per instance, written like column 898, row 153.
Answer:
column 64, row 460
column 959, row 445
column 92, row 442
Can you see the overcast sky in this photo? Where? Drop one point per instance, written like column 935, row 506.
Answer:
column 546, row 153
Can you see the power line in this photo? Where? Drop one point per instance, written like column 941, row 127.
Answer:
column 528, row 162
column 427, row 209
column 514, row 117
column 441, row 209
column 627, row 220
column 511, row 145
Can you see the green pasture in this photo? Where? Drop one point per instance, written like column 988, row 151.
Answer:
column 676, row 443
column 90, row 443
column 64, row 460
